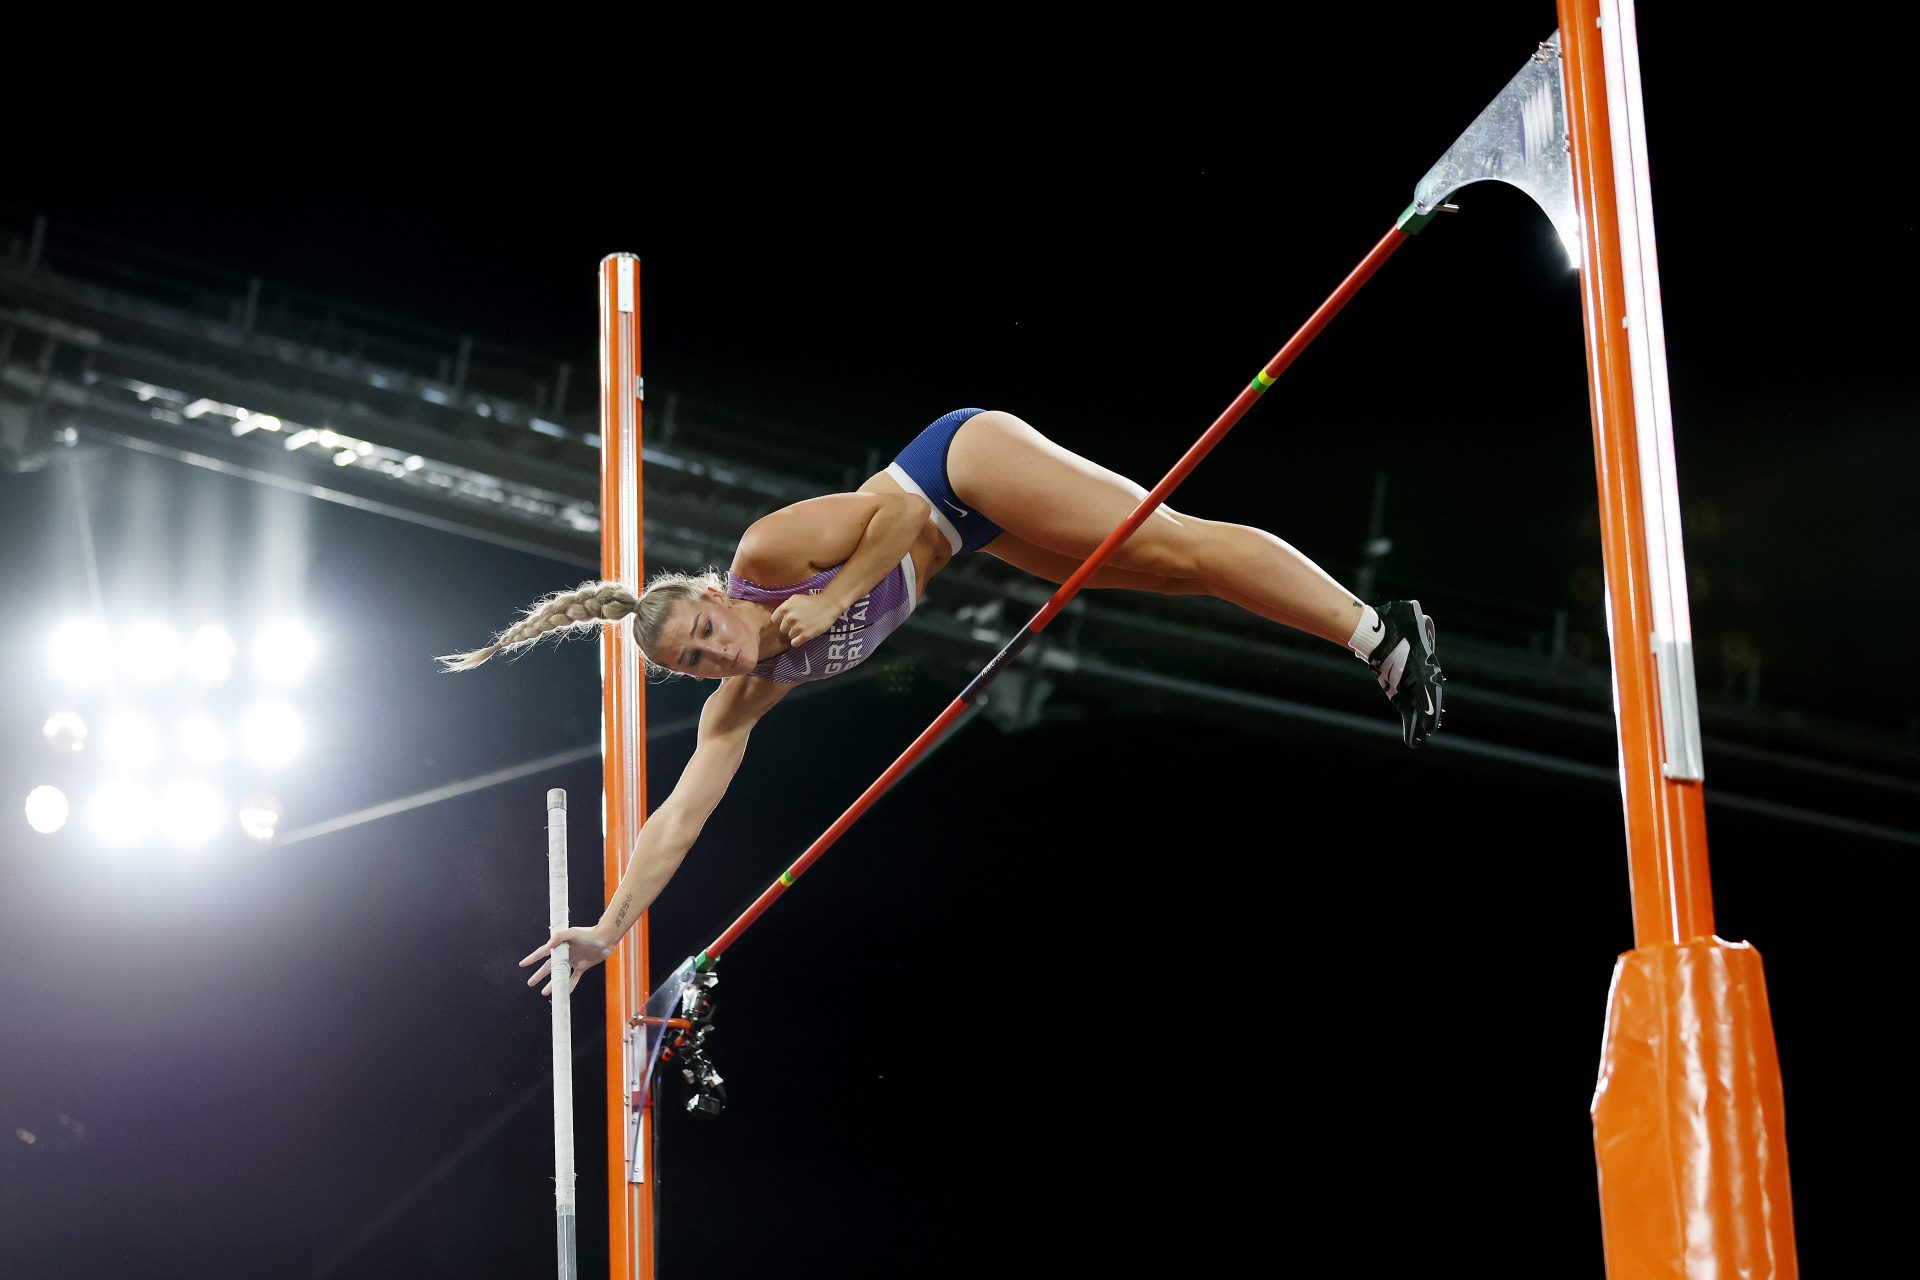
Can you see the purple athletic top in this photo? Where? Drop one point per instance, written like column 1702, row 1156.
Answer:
column 855, row 634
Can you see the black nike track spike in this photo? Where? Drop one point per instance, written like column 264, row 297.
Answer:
column 1406, row 667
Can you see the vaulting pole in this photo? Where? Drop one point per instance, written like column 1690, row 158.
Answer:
column 564, row 1212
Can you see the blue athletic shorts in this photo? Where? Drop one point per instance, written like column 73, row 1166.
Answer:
column 922, row 468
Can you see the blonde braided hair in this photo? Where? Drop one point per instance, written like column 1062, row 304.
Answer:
column 590, row 604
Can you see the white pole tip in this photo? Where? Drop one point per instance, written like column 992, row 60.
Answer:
column 557, row 798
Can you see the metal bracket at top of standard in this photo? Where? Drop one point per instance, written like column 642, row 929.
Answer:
column 642, row 1056
column 1520, row 139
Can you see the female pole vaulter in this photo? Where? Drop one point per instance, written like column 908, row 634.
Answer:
column 850, row 567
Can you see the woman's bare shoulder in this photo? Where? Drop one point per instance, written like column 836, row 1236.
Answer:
column 799, row 540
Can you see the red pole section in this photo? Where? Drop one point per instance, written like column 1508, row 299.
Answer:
column 1223, row 424
column 1068, row 589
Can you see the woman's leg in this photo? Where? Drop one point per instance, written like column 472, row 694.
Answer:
column 1059, row 502
column 1057, row 568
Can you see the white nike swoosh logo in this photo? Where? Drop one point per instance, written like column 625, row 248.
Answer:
column 806, row 664
column 962, row 510
column 1392, row 667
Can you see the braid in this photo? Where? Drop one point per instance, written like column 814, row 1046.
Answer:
column 591, row 603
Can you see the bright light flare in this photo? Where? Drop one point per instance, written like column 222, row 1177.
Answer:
column 82, row 653
column 284, row 653
column 152, row 652
column 191, row 814
column 47, row 809
column 273, row 734
column 131, row 739
column 260, row 816
column 65, row 732
column 121, row 813
column 210, row 655
column 204, row 741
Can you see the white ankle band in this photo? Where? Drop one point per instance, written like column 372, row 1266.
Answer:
column 1367, row 635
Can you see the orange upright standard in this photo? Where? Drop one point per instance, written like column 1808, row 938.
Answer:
column 1688, row 1124
column 623, row 741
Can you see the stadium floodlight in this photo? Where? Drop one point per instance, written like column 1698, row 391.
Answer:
column 191, row 813
column 46, row 809
column 273, row 734
column 210, row 655
column 284, row 653
column 260, row 816
column 203, row 740
column 152, row 652
column 130, row 739
column 82, row 653
column 65, row 732
column 121, row 813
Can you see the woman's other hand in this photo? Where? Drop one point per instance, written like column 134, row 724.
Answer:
column 804, row 618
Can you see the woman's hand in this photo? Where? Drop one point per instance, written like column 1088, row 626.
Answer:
column 804, row 618
column 585, row 949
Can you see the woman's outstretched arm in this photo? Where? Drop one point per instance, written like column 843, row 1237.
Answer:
column 725, row 721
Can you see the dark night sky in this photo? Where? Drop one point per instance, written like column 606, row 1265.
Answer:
column 1132, row 988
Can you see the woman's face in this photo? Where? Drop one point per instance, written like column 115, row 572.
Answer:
column 708, row 638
